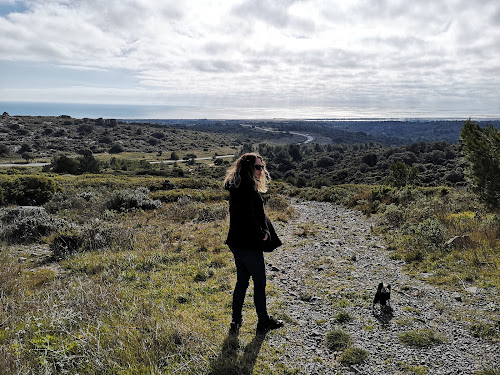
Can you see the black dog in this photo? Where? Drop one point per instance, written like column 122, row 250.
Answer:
column 383, row 296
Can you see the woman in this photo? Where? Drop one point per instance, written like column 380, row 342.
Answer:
column 250, row 234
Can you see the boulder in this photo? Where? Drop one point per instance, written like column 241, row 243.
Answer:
column 459, row 242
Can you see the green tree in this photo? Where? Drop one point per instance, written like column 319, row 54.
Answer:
column 246, row 147
column 88, row 163
column 4, row 150
column 295, row 152
column 64, row 164
column 401, row 175
column 27, row 156
column 482, row 150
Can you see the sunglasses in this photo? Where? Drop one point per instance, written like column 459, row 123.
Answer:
column 258, row 167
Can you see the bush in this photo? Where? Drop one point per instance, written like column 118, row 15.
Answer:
column 490, row 371
column 420, row 338
column 430, row 233
column 116, row 149
column 353, row 356
column 92, row 237
column 278, row 203
column 28, row 224
column 393, row 215
column 65, row 243
column 343, row 317
column 125, row 200
column 337, row 339
column 98, row 236
column 28, row 190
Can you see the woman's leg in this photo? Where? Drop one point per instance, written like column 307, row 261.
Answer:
column 243, row 277
column 249, row 263
column 258, row 272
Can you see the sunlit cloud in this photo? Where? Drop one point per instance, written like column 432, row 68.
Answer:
column 385, row 54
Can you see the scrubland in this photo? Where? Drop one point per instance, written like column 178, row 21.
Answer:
column 125, row 271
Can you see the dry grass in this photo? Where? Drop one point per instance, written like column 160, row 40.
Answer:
column 159, row 305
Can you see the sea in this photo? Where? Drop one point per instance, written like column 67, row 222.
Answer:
column 135, row 111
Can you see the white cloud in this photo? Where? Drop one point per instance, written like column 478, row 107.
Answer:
column 275, row 52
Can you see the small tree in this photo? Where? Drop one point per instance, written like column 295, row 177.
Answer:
column 64, row 164
column 116, row 149
column 401, row 175
column 27, row 156
column 4, row 150
column 88, row 163
column 25, row 148
column 482, row 149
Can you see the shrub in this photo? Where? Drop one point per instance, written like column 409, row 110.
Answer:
column 343, row 317
column 212, row 212
column 420, row 338
column 116, row 149
column 489, row 371
column 28, row 224
column 28, row 190
column 99, row 235
column 393, row 215
column 337, row 339
column 92, row 237
column 353, row 356
column 125, row 200
column 430, row 233
column 486, row 330
column 278, row 203
column 65, row 243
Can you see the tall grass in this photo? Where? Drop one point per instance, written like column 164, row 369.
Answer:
column 159, row 304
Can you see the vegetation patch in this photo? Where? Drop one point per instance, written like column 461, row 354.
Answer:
column 353, row 356
column 27, row 224
column 337, row 340
column 421, row 338
column 343, row 317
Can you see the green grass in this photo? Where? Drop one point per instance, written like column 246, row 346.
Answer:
column 490, row 371
column 343, row 317
column 151, row 290
column 353, row 356
column 337, row 339
column 421, row 338
column 161, row 304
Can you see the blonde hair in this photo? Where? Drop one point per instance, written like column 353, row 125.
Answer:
column 243, row 169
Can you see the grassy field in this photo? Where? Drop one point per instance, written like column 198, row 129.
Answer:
column 129, row 274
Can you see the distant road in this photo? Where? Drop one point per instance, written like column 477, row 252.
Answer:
column 152, row 162
column 186, row 160
column 24, row 165
column 308, row 138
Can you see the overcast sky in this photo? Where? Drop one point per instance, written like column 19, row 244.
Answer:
column 288, row 58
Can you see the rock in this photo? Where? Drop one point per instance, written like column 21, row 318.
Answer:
column 457, row 297
column 459, row 242
column 21, row 259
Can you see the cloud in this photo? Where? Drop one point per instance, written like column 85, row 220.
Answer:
column 266, row 51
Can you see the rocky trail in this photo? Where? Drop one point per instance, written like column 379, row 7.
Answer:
column 331, row 263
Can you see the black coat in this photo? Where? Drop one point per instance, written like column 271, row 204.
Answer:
column 248, row 222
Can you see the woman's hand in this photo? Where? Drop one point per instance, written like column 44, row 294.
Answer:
column 266, row 237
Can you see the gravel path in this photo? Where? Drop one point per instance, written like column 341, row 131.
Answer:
column 331, row 263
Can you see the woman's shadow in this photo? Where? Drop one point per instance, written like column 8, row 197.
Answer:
column 229, row 362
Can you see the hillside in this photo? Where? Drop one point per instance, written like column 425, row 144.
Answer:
column 113, row 258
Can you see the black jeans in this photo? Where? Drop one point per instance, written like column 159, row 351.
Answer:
column 249, row 263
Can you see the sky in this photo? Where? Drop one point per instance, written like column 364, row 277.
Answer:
column 257, row 58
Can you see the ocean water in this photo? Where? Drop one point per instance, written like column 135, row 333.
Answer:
column 122, row 111
column 79, row 110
